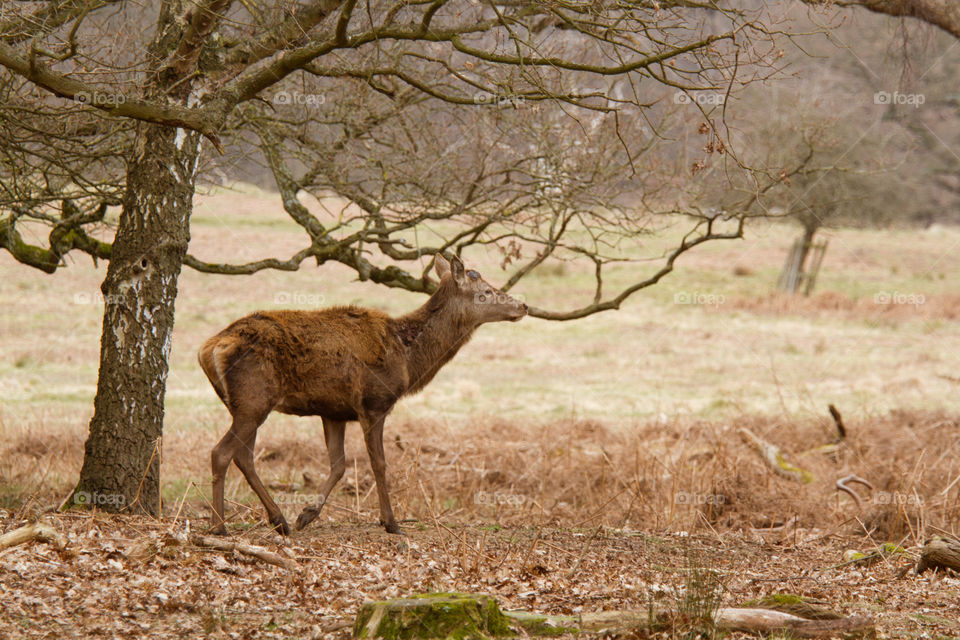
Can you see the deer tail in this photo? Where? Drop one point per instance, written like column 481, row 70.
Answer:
column 214, row 358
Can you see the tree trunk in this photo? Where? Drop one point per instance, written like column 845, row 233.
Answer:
column 806, row 243
column 121, row 467
column 792, row 276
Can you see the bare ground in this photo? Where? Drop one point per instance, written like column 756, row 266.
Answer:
column 96, row 590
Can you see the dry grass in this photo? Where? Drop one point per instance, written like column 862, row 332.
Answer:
column 690, row 475
column 830, row 304
column 752, row 353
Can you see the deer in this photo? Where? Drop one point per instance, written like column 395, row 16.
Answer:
column 343, row 364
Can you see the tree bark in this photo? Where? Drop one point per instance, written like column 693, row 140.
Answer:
column 121, row 467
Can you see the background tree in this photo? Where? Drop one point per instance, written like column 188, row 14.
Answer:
column 826, row 160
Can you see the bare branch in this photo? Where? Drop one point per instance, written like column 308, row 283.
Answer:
column 119, row 105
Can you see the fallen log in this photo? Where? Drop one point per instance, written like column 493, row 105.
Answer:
column 799, row 606
column 939, row 553
column 617, row 622
column 438, row 615
column 33, row 531
column 251, row 550
column 762, row 621
column 766, row 621
column 759, row 621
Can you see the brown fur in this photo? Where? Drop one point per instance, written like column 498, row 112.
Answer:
column 342, row 364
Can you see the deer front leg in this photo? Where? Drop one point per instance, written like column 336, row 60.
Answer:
column 373, row 436
column 333, row 435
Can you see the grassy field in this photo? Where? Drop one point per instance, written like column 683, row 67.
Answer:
column 744, row 350
column 627, row 421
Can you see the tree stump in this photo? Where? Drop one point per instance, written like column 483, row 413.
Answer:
column 433, row 615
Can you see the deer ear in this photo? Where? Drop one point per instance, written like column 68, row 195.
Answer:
column 456, row 267
column 441, row 265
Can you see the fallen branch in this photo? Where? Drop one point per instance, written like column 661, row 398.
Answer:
column 769, row 621
column 247, row 549
column 939, row 553
column 842, row 485
column 774, row 528
column 774, row 459
column 852, row 556
column 838, row 420
column 33, row 531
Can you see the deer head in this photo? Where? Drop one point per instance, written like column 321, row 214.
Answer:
column 476, row 299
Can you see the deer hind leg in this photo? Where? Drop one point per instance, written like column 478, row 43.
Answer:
column 373, row 436
column 237, row 446
column 251, row 404
column 244, row 461
column 333, row 434
column 220, row 459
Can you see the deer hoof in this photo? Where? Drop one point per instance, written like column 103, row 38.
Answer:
column 306, row 517
column 280, row 525
column 219, row 530
column 392, row 527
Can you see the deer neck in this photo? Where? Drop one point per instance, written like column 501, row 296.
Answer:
column 433, row 334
